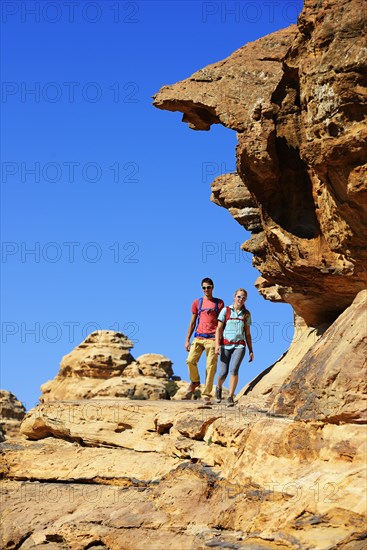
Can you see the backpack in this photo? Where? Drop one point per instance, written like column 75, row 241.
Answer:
column 200, row 309
column 226, row 342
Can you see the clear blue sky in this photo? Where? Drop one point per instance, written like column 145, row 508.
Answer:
column 106, row 217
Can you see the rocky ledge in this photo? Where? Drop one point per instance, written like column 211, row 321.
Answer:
column 125, row 474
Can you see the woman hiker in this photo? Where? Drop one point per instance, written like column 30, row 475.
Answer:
column 232, row 334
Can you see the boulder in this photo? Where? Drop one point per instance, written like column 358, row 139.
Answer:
column 155, row 365
column 12, row 413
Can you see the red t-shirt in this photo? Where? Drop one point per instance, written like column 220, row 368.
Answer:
column 209, row 316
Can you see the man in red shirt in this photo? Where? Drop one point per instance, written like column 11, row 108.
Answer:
column 204, row 317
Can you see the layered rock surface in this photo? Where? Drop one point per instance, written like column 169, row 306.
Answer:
column 323, row 375
column 124, row 474
column 330, row 381
column 297, row 100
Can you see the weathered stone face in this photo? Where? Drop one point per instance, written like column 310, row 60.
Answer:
column 330, row 383
column 297, row 101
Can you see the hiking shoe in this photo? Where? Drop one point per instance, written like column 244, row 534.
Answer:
column 230, row 402
column 218, row 394
column 190, row 390
column 207, row 398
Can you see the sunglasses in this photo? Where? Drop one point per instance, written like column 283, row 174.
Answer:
column 206, row 287
column 241, row 297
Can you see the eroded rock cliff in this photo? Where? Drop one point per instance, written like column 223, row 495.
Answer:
column 297, row 100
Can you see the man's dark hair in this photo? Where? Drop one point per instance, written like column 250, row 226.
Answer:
column 207, row 280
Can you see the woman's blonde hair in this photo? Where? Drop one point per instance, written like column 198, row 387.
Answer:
column 240, row 290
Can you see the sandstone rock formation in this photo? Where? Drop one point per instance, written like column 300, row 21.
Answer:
column 330, row 382
column 297, row 100
column 11, row 414
column 286, row 468
column 102, row 366
column 126, row 474
column 323, row 375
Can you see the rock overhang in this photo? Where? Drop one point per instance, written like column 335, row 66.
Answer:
column 288, row 95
